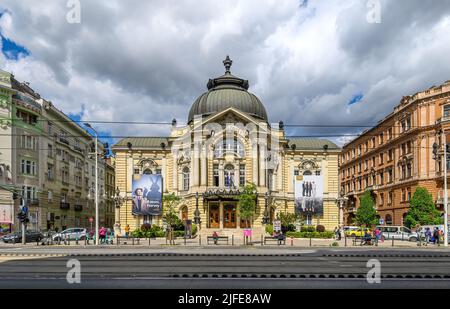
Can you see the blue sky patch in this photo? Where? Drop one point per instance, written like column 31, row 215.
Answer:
column 103, row 135
column 11, row 49
column 355, row 99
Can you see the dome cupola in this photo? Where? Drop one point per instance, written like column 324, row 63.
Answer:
column 227, row 91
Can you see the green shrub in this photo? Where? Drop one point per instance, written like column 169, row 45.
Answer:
column 320, row 228
column 307, row 229
column 335, row 244
column 269, row 229
column 194, row 229
column 310, row 234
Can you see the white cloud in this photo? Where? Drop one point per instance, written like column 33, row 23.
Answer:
column 148, row 61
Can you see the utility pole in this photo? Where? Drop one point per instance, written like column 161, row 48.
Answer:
column 96, row 181
column 445, row 193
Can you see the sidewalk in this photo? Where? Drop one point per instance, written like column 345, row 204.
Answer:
column 232, row 242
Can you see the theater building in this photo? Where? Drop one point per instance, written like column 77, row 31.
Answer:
column 396, row 156
column 226, row 143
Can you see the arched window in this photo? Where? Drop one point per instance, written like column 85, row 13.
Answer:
column 388, row 220
column 307, row 173
column 229, row 146
column 148, row 172
column 185, row 178
column 229, row 175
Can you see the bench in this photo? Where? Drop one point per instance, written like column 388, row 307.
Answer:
column 272, row 238
column 361, row 241
column 218, row 238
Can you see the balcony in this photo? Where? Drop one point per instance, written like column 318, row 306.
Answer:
column 78, row 207
column 64, row 206
column 31, row 202
column 77, row 148
column 64, row 140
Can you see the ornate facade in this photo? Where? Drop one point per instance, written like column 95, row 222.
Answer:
column 227, row 143
column 395, row 157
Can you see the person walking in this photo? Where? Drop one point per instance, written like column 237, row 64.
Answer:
column 436, row 236
column 102, row 234
column 427, row 236
column 127, row 231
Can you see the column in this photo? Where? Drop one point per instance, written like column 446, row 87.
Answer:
column 164, row 168
column 255, row 163
column 204, row 167
column 291, row 175
column 280, row 172
column 221, row 176
column 262, row 167
column 236, row 174
column 221, row 214
column 175, row 172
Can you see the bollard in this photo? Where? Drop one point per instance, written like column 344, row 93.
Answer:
column 185, row 240
column 76, row 240
column 117, row 240
column 310, row 242
column 292, row 240
column 132, row 241
column 262, row 241
column 345, row 240
column 200, row 240
column 85, row 240
column 392, row 241
column 232, row 240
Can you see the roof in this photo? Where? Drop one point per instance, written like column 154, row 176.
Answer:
column 308, row 143
column 142, row 142
column 224, row 92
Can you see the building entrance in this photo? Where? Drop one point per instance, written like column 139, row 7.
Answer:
column 229, row 215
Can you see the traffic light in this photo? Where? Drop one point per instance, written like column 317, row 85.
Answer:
column 22, row 216
column 15, row 196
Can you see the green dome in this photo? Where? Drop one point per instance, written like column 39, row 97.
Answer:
column 224, row 92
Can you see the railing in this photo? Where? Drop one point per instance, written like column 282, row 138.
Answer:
column 64, row 140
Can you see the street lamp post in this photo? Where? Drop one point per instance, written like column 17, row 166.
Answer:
column 265, row 219
column 341, row 201
column 197, row 219
column 96, row 182
column 445, row 193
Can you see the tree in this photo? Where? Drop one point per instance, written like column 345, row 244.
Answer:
column 170, row 215
column 422, row 210
column 366, row 214
column 247, row 203
column 287, row 221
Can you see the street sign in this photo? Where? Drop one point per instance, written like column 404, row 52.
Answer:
column 25, row 209
column 277, row 226
column 381, row 221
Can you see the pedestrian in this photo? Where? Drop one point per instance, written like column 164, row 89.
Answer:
column 436, row 236
column 215, row 237
column 377, row 236
column 102, row 234
column 427, row 236
column 127, row 231
column 281, row 238
column 336, row 232
column 339, row 234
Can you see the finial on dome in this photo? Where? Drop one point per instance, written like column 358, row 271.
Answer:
column 227, row 63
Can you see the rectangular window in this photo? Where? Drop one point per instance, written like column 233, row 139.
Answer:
column 216, row 175
column 381, row 178
column 242, row 175
column 381, row 159
column 390, row 197
column 50, row 195
column 390, row 134
column 49, row 171
column 446, row 111
column 403, row 195
column 50, row 128
column 50, row 150
column 381, row 199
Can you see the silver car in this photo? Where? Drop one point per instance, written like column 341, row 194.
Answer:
column 397, row 233
column 71, row 234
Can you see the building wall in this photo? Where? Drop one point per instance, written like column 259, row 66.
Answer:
column 412, row 146
column 172, row 163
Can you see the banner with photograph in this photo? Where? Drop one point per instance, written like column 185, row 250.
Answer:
column 147, row 195
column 309, row 195
column 6, row 214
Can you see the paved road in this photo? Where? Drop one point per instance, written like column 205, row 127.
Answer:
column 224, row 268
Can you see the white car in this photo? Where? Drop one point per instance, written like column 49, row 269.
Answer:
column 71, row 234
column 397, row 233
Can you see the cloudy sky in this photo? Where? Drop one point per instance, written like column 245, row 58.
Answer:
column 310, row 62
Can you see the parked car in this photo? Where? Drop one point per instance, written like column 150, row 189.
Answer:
column 71, row 234
column 16, row 237
column 356, row 232
column 397, row 233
